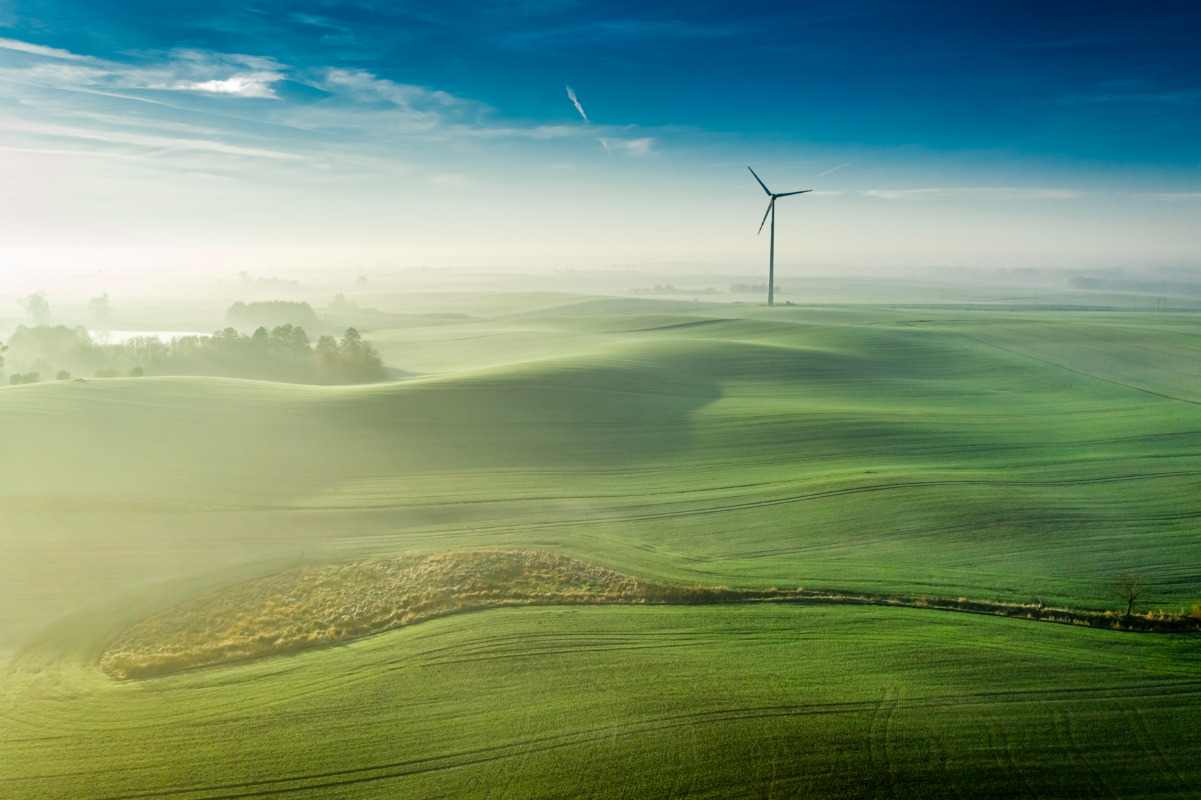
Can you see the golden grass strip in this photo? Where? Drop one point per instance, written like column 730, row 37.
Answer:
column 315, row 606
column 310, row 607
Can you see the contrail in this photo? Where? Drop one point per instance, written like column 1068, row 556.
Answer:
column 827, row 172
column 578, row 107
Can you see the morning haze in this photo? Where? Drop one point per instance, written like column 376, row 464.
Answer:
column 399, row 402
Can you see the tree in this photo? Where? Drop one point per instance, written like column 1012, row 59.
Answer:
column 260, row 340
column 1130, row 588
column 37, row 307
column 359, row 360
column 352, row 342
column 271, row 313
column 100, row 309
column 327, row 357
column 290, row 342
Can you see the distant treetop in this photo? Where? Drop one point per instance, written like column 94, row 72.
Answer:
column 270, row 314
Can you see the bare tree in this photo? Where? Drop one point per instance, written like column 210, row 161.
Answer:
column 1130, row 587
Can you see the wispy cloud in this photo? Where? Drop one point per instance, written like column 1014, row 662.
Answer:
column 141, row 140
column 632, row 147
column 188, row 70
column 38, row 50
column 191, row 111
column 366, row 87
column 1173, row 196
column 176, row 102
column 996, row 192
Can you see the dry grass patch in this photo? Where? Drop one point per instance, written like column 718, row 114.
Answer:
column 314, row 606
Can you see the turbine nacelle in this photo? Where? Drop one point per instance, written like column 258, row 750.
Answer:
column 771, row 204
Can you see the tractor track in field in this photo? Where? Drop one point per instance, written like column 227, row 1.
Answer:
column 878, row 712
column 1082, row 373
column 748, row 505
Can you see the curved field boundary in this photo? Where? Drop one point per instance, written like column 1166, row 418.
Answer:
column 303, row 608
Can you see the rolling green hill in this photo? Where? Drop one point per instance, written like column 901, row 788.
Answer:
column 1010, row 455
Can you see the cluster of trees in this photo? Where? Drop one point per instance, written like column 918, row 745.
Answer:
column 669, row 289
column 272, row 314
column 273, row 284
column 284, row 353
column 750, row 288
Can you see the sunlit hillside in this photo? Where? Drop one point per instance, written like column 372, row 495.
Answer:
column 1022, row 456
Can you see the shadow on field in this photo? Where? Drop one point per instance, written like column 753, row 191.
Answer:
column 545, row 414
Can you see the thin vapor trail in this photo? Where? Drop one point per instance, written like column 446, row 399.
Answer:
column 578, row 107
column 827, row 172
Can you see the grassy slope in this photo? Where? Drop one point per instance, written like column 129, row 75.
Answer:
column 638, row 702
column 991, row 454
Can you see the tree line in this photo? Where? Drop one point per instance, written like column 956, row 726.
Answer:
column 284, row 353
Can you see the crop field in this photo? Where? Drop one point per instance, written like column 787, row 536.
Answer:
column 1022, row 456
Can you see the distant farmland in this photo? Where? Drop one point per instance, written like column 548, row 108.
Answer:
column 1035, row 458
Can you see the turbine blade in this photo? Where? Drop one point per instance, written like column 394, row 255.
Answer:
column 770, row 205
column 761, row 183
column 786, row 194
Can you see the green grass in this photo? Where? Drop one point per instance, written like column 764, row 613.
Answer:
column 996, row 454
column 637, row 702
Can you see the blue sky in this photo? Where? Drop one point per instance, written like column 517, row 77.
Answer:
column 982, row 134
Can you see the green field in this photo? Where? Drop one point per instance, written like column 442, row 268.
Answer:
column 1022, row 455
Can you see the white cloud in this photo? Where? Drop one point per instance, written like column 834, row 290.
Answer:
column 257, row 84
column 38, row 50
column 231, row 74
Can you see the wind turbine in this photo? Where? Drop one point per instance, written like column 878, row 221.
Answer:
column 771, row 209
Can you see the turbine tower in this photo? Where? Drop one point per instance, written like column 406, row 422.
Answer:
column 771, row 259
